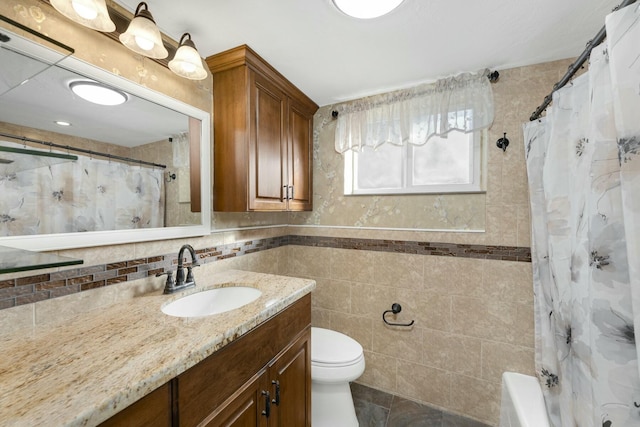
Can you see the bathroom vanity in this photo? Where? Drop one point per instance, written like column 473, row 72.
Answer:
column 268, row 377
column 131, row 364
column 262, row 378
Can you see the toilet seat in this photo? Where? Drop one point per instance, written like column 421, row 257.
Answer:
column 338, row 365
column 334, row 349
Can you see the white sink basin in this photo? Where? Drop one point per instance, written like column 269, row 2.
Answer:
column 213, row 301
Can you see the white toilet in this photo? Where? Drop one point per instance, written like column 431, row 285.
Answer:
column 336, row 359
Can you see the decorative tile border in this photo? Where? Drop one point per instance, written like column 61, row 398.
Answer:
column 502, row 253
column 26, row 290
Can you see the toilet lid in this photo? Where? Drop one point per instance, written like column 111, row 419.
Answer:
column 333, row 348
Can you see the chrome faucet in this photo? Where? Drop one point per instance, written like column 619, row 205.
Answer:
column 181, row 283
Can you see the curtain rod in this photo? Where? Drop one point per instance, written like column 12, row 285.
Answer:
column 82, row 150
column 573, row 68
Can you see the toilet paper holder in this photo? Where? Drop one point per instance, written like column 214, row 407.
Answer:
column 395, row 309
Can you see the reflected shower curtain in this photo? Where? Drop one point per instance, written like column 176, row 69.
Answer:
column 583, row 164
column 84, row 195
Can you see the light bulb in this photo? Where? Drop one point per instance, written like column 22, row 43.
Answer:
column 144, row 43
column 84, row 9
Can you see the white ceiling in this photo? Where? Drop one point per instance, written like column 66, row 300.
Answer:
column 332, row 57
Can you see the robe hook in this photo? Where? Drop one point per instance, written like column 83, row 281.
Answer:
column 503, row 143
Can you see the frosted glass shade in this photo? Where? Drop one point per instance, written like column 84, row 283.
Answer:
column 97, row 93
column 366, row 9
column 143, row 36
column 187, row 62
column 89, row 13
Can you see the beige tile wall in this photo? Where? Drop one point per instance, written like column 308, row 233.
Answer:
column 473, row 317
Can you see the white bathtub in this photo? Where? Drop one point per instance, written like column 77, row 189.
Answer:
column 522, row 402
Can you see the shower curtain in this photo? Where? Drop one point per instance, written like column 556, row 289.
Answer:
column 583, row 165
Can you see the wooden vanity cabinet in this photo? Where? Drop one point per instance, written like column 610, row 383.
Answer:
column 229, row 388
column 232, row 386
column 276, row 396
column 263, row 136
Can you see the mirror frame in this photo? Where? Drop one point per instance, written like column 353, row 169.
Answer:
column 51, row 242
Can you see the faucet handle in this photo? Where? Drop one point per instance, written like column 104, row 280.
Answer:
column 190, row 278
column 170, row 282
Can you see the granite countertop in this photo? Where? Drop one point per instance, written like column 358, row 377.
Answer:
column 84, row 371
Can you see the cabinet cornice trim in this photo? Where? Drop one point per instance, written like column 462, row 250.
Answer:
column 244, row 55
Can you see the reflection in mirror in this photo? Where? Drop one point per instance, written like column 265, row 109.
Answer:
column 75, row 173
column 23, row 59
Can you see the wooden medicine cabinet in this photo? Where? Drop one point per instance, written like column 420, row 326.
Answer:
column 263, row 136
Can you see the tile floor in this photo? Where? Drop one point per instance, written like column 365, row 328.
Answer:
column 376, row 408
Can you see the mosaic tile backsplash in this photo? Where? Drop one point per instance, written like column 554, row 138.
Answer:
column 26, row 290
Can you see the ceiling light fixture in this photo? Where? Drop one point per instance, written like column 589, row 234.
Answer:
column 187, row 61
column 143, row 36
column 90, row 13
column 366, row 9
column 97, row 93
column 62, row 123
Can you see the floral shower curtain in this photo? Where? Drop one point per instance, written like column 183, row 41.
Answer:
column 84, row 195
column 583, row 164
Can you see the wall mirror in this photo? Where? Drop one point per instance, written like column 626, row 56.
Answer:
column 78, row 174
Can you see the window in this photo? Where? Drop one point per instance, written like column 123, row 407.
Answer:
column 425, row 139
column 455, row 164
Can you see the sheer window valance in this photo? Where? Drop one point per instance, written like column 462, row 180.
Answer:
column 463, row 102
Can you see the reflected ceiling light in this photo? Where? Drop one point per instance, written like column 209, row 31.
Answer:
column 142, row 35
column 187, row 61
column 90, row 13
column 62, row 123
column 366, row 9
column 97, row 93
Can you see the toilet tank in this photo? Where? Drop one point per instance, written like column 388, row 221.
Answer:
column 522, row 402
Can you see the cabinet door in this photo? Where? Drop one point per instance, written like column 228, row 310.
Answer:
column 300, row 162
column 268, row 146
column 246, row 408
column 290, row 376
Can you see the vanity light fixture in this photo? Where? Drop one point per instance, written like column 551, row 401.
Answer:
column 90, row 13
column 366, row 9
column 187, row 61
column 143, row 36
column 97, row 93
